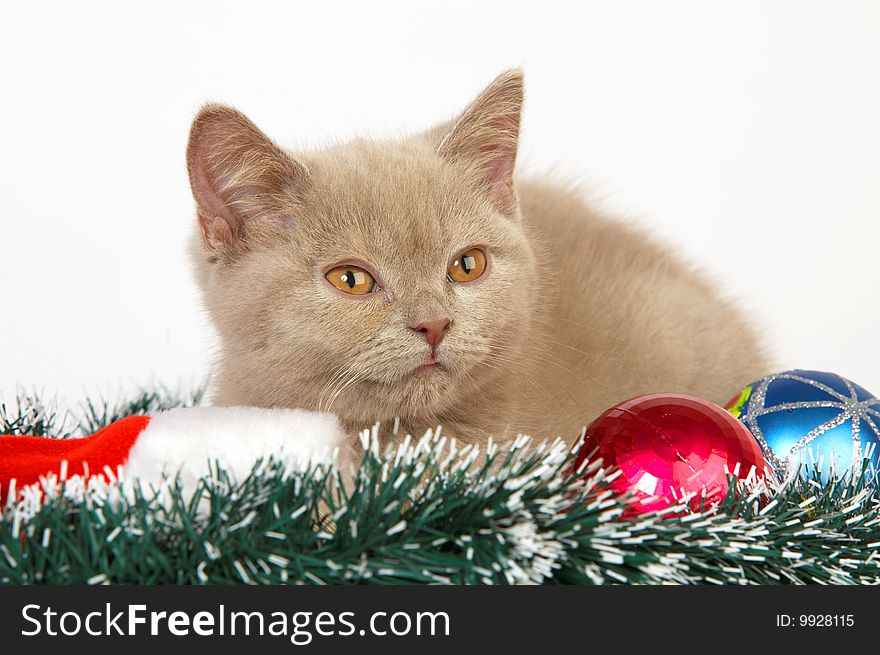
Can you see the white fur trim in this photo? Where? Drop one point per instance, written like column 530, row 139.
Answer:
column 190, row 440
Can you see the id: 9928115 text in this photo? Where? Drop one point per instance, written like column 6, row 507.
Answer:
column 815, row 620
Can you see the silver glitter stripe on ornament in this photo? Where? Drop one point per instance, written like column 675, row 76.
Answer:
column 851, row 409
column 756, row 404
column 805, row 404
column 858, row 456
column 815, row 433
column 815, row 383
column 850, row 387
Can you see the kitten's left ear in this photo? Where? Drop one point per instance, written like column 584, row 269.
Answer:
column 486, row 135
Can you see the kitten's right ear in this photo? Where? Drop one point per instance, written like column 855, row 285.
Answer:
column 239, row 177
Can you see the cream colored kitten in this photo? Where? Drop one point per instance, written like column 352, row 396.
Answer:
column 414, row 279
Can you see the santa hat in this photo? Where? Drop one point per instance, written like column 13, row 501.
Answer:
column 183, row 443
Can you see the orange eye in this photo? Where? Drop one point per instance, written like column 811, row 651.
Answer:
column 351, row 279
column 468, row 266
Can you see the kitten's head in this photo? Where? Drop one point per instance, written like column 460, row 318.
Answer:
column 372, row 279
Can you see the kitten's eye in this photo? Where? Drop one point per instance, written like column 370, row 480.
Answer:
column 352, row 279
column 468, row 266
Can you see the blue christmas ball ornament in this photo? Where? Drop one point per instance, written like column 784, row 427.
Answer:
column 812, row 418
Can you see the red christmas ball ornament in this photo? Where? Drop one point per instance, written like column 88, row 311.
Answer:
column 669, row 446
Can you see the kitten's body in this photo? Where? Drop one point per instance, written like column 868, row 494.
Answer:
column 625, row 318
column 576, row 312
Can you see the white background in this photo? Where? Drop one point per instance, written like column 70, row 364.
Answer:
column 745, row 134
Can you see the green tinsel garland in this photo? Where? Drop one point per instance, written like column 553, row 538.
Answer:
column 425, row 513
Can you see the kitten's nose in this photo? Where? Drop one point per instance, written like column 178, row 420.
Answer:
column 433, row 330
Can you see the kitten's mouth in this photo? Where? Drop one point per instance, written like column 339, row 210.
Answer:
column 430, row 365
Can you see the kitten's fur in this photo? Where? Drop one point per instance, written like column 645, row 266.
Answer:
column 576, row 313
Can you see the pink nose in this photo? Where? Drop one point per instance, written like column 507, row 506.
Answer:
column 433, row 330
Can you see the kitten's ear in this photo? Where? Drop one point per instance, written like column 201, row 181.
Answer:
column 239, row 177
column 486, row 135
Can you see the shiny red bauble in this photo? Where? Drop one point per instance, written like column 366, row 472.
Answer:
column 668, row 447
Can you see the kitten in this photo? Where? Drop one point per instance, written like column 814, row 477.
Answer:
column 415, row 279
